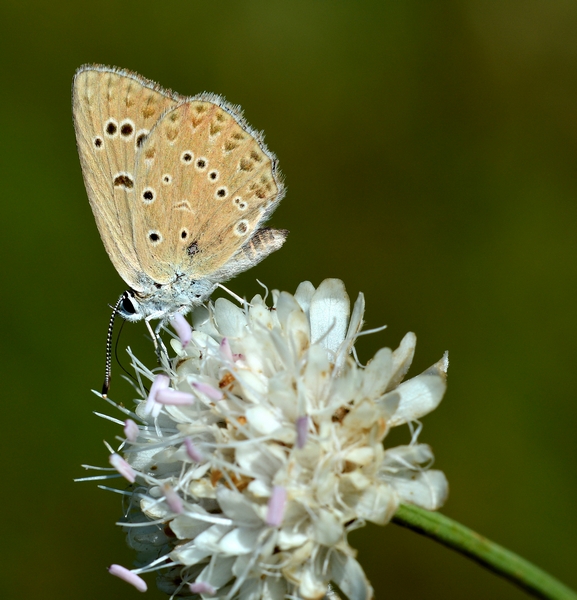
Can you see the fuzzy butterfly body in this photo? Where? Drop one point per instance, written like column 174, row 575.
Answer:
column 179, row 187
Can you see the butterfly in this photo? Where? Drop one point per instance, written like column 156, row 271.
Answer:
column 179, row 186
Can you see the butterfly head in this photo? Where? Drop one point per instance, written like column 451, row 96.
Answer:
column 164, row 300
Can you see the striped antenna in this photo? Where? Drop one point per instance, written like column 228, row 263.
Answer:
column 108, row 369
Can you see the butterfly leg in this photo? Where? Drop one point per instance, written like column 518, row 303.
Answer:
column 159, row 347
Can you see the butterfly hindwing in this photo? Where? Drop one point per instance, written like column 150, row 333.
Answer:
column 203, row 183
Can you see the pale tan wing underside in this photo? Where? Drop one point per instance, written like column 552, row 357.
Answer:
column 113, row 111
column 203, row 184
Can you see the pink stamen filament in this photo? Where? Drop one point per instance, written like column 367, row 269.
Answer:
column 122, row 467
column 200, row 587
column 159, row 383
column 130, row 430
column 210, row 392
column 302, row 431
column 182, row 328
column 192, row 451
column 173, row 500
column 128, row 576
column 174, row 397
column 276, row 506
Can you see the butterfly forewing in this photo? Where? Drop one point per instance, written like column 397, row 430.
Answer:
column 203, row 183
column 113, row 112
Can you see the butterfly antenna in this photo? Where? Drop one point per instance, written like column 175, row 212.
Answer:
column 108, row 368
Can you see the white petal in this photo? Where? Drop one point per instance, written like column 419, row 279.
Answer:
column 253, row 386
column 362, row 416
column 354, row 482
column 428, row 489
column 362, row 455
column 304, row 295
column 402, row 359
column 406, row 458
column 260, row 355
column 291, row 539
column 190, row 554
column 316, row 376
column 283, row 350
column 285, row 306
column 350, row 577
column 260, row 315
column 282, row 395
column 185, row 527
column 388, row 404
column 251, row 589
column 329, row 314
column 326, row 529
column 273, row 589
column 259, row 489
column 355, row 325
column 378, row 504
column 202, row 340
column 419, row 396
column 377, row 374
column 218, row 572
column 262, row 460
column 201, row 321
column 236, row 507
column 230, row 319
column 142, row 459
column 202, row 488
column 344, row 388
column 356, row 321
column 241, row 540
column 313, row 586
column 327, row 483
column 298, row 332
column 210, row 538
column 262, row 419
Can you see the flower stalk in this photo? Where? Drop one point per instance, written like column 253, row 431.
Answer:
column 494, row 557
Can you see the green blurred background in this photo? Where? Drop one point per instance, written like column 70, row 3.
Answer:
column 430, row 153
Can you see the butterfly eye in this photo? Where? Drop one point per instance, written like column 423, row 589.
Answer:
column 221, row 193
column 98, row 142
column 166, row 179
column 127, row 306
column 201, row 163
column 184, row 234
column 213, row 175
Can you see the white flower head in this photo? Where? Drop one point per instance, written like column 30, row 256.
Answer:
column 260, row 446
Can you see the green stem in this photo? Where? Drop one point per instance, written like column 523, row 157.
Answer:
column 478, row 548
